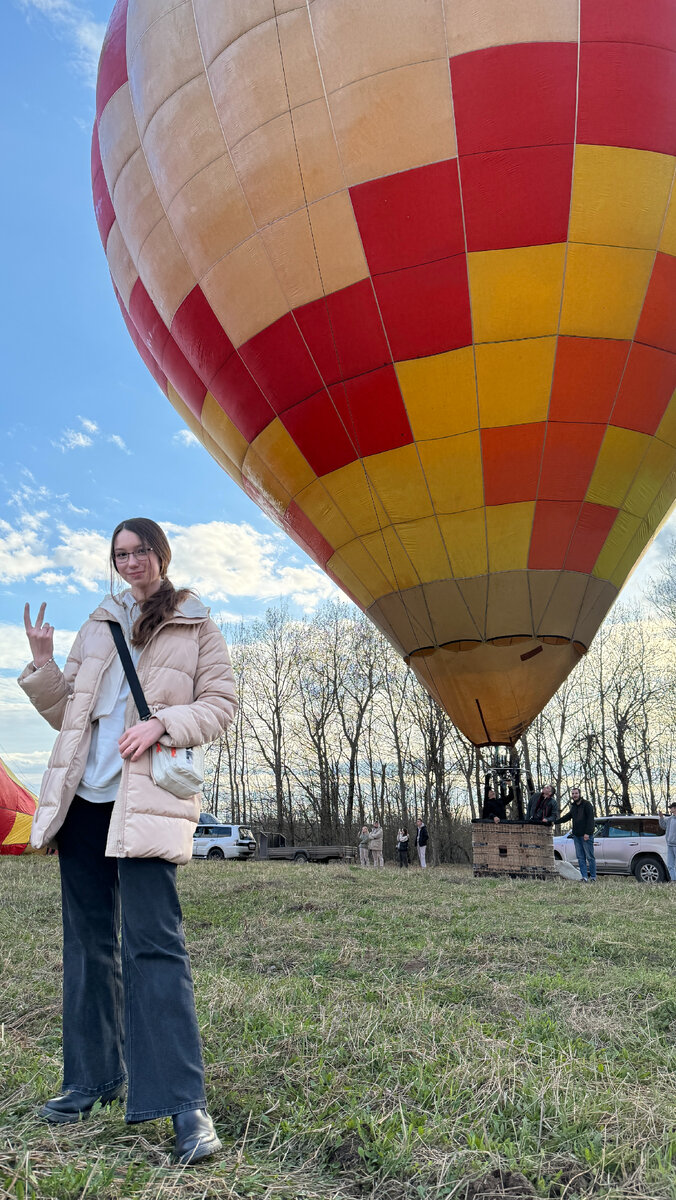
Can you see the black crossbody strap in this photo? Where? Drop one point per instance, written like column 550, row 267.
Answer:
column 130, row 671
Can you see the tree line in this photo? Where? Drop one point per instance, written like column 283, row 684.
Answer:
column 333, row 730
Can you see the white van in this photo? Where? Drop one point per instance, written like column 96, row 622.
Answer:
column 213, row 839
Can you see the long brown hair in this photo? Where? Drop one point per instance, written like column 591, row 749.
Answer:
column 158, row 607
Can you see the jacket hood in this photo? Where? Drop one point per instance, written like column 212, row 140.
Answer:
column 190, row 609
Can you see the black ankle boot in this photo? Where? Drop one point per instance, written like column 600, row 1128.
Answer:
column 76, row 1106
column 195, row 1136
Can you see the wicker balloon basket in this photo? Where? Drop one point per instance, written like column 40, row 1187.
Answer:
column 513, row 848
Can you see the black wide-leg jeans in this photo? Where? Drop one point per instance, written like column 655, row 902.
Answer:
column 128, row 998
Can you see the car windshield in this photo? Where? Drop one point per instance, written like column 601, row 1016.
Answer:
column 245, row 833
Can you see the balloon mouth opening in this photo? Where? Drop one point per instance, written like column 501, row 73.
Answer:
column 493, row 689
column 465, row 645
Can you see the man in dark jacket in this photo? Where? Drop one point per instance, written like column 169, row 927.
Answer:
column 582, row 815
column 421, row 839
column 542, row 807
column 495, row 808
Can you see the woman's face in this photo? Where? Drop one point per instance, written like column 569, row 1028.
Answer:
column 138, row 565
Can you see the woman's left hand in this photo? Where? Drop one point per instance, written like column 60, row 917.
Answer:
column 135, row 741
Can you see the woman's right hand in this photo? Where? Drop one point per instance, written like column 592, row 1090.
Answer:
column 40, row 636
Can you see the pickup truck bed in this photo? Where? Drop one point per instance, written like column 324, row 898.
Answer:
column 303, row 854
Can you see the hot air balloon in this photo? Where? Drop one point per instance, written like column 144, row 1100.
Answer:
column 407, row 269
column 17, row 806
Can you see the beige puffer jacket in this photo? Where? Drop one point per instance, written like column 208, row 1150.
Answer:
column 376, row 840
column 187, row 680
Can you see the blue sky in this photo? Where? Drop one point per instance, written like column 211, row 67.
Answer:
column 88, row 437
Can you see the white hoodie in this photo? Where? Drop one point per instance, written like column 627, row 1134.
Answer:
column 101, row 778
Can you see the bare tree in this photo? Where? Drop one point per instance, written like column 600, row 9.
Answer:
column 273, row 646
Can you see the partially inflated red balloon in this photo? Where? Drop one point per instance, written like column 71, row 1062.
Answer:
column 408, row 271
column 17, row 806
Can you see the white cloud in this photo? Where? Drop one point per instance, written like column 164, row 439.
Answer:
column 73, row 439
column 15, row 652
column 53, row 579
column 30, row 759
column 84, row 554
column 648, row 565
column 12, row 699
column 75, row 25
column 28, row 766
column 79, row 439
column 29, row 493
column 23, row 552
column 119, row 442
column 185, row 437
column 221, row 560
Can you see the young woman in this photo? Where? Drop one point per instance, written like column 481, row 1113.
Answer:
column 402, row 846
column 128, row 1001
column 364, row 842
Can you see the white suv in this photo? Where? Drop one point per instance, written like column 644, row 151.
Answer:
column 624, row 845
column 212, row 839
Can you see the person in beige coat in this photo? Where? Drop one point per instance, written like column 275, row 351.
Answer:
column 376, row 844
column 128, row 999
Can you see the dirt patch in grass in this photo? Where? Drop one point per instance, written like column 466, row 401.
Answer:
column 498, row 1184
column 569, row 1179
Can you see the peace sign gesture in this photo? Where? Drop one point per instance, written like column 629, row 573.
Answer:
column 40, row 636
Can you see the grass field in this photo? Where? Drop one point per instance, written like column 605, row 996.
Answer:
column 375, row 1034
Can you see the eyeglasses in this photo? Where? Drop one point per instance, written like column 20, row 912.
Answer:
column 122, row 556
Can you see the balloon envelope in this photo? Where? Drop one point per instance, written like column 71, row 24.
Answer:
column 407, row 270
column 17, row 806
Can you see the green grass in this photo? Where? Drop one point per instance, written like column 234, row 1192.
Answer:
column 374, row 1034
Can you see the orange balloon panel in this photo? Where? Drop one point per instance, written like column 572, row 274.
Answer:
column 408, row 271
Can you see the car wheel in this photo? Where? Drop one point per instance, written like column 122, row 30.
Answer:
column 557, row 856
column 649, row 870
column 301, row 857
column 215, row 853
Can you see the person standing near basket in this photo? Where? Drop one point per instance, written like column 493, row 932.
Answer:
column 128, row 1004
column 584, row 822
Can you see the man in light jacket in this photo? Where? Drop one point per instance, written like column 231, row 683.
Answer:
column 668, row 823
column 376, row 844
